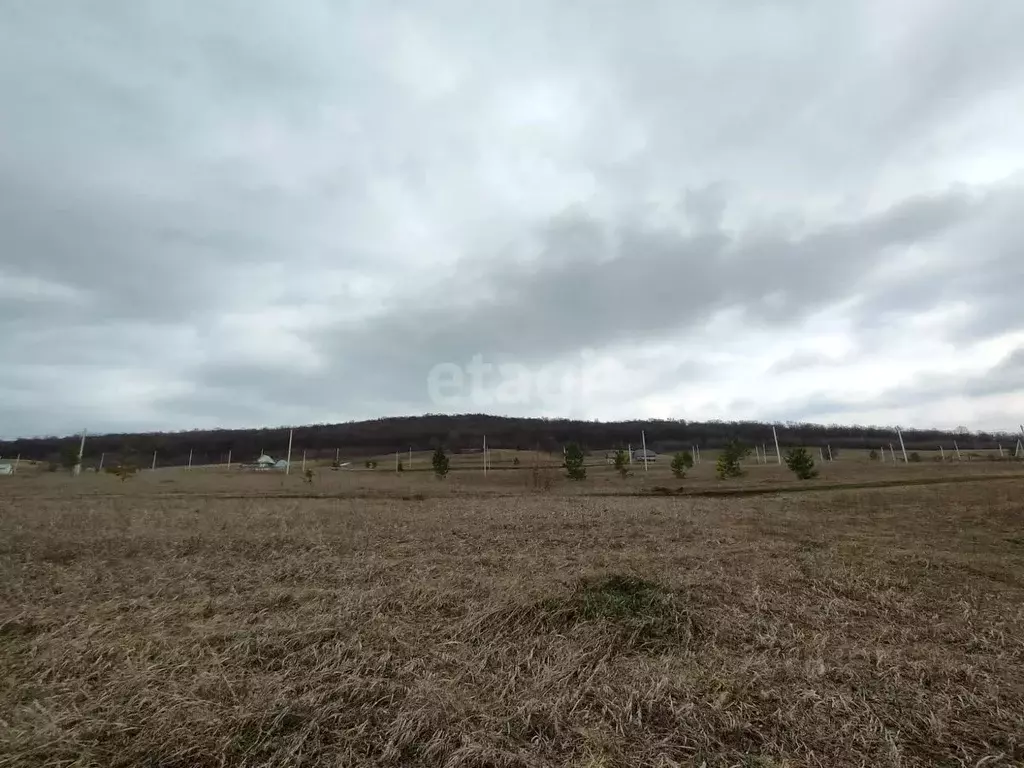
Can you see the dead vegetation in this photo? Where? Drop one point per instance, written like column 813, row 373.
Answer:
column 878, row 627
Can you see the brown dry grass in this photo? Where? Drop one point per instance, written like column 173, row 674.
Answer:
column 201, row 622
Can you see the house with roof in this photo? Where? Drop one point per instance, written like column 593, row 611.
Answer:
column 644, row 455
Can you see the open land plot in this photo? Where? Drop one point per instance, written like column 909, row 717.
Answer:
column 201, row 620
column 535, row 471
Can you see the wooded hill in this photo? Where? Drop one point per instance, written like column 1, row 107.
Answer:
column 465, row 432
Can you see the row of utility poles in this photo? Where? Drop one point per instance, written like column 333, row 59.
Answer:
column 762, row 456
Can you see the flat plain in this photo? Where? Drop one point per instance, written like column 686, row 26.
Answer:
column 215, row 617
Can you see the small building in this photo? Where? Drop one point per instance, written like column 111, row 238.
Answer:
column 6, row 469
column 263, row 463
column 644, row 455
column 612, row 455
column 281, row 464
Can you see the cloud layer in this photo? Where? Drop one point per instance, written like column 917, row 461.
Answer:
column 249, row 215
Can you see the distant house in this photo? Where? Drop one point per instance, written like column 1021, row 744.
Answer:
column 262, row 464
column 642, row 455
column 611, row 455
column 6, row 469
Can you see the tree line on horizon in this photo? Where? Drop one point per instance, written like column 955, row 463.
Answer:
column 465, row 432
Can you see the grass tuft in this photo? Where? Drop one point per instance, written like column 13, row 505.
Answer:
column 621, row 613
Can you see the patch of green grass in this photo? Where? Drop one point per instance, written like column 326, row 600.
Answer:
column 629, row 612
column 620, row 598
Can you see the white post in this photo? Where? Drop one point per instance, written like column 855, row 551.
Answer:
column 764, row 452
column 288, row 460
column 303, row 462
column 410, row 458
column 821, row 453
column 699, row 457
column 337, row 456
column 396, row 462
column 629, row 450
column 1000, row 446
column 829, row 452
column 778, row 453
column 942, row 452
column 893, row 452
column 102, row 456
column 81, row 451
column 229, row 458
column 902, row 446
column 957, row 449
column 17, row 461
column 189, row 458
column 643, row 440
column 1016, row 451
column 154, row 461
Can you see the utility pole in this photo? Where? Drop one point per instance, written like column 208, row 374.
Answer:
column 77, row 469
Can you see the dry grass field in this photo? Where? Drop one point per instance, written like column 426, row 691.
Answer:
column 215, row 618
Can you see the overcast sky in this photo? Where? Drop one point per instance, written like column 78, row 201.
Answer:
column 261, row 213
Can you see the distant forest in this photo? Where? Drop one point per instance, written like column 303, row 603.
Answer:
column 465, row 432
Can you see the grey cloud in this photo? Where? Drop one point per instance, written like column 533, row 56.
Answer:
column 1006, row 377
column 980, row 265
column 799, row 361
column 521, row 181
column 593, row 291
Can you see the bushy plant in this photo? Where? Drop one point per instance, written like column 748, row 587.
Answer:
column 573, row 463
column 440, row 462
column 681, row 462
column 800, row 463
column 622, row 462
column 728, row 464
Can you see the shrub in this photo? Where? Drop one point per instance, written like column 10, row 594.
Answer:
column 873, row 455
column 728, row 464
column 915, row 456
column 681, row 462
column 800, row 463
column 622, row 463
column 573, row 464
column 440, row 462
